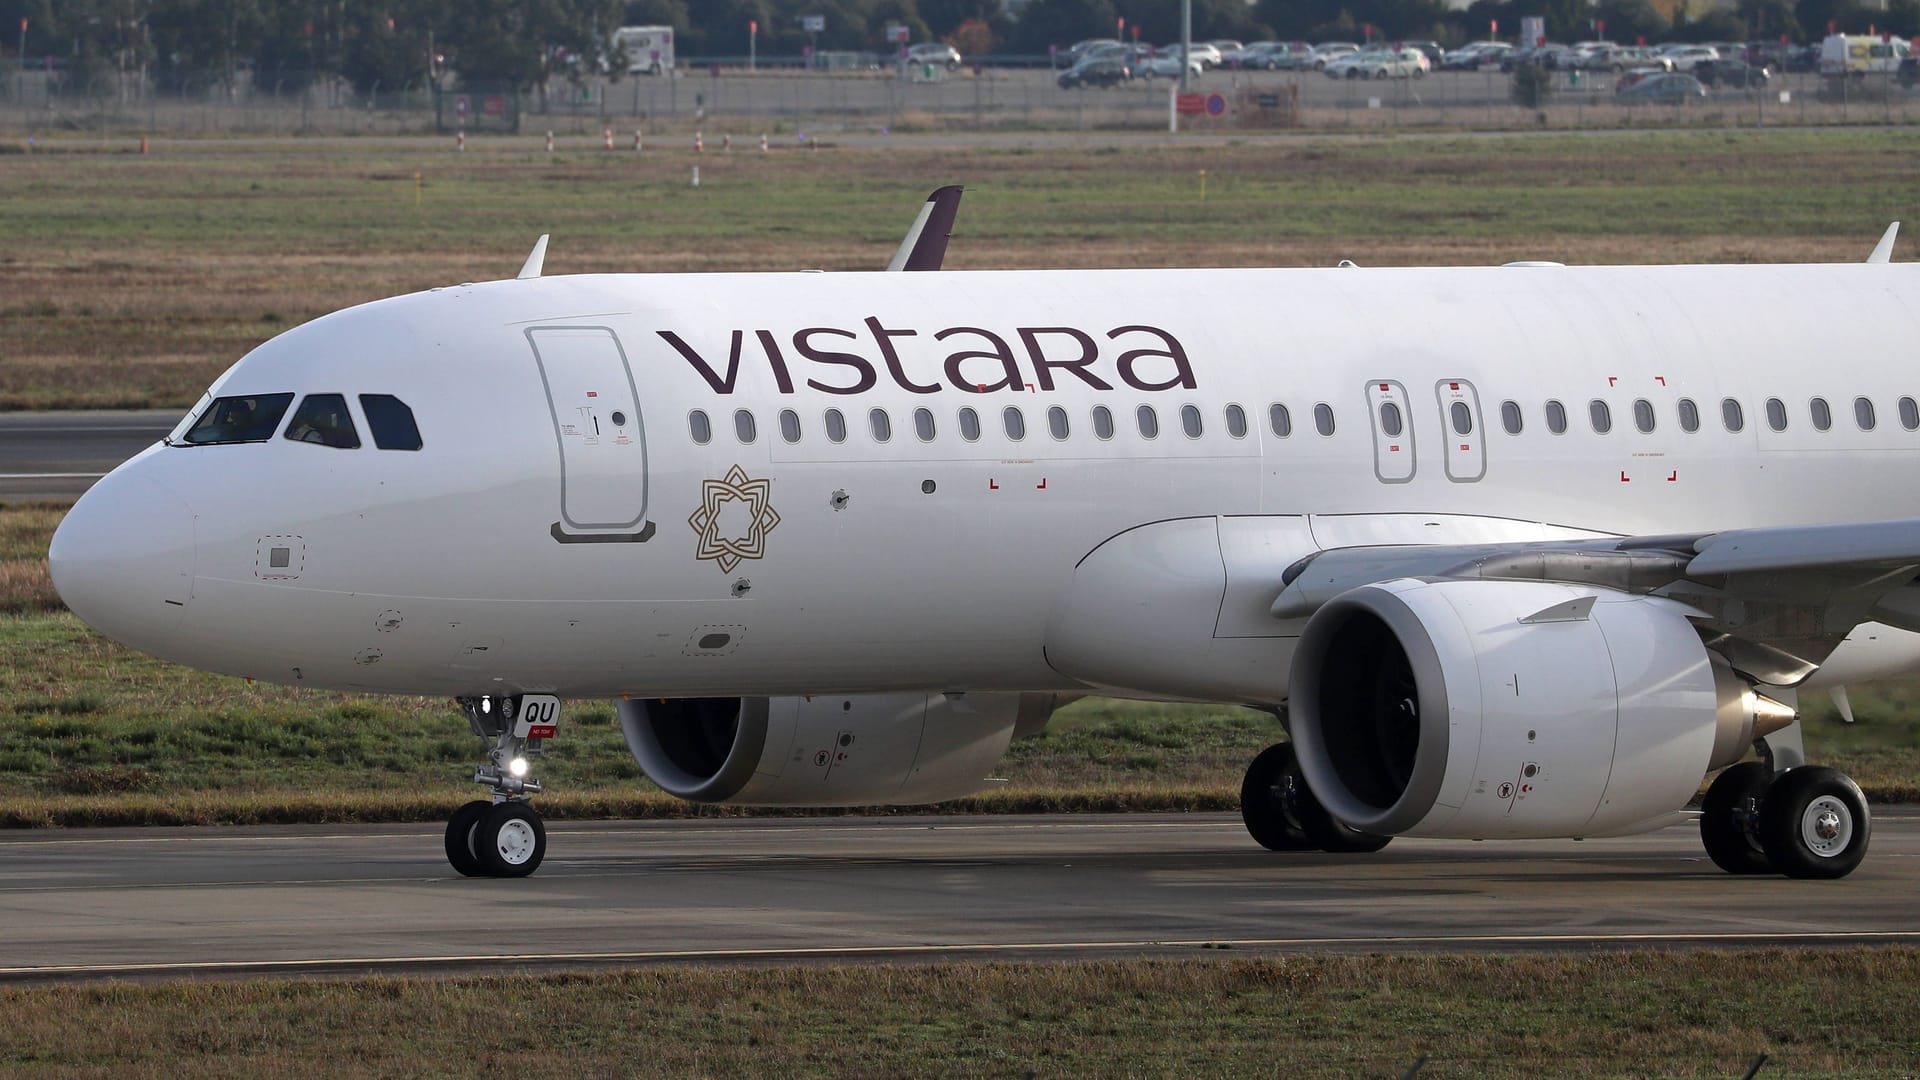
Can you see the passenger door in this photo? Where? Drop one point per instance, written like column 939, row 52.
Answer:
column 596, row 421
column 1392, row 421
column 1460, row 423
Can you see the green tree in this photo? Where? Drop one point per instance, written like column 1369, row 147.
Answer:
column 1061, row 23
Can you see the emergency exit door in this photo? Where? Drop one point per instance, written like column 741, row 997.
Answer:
column 1461, row 424
column 596, row 421
column 1392, row 432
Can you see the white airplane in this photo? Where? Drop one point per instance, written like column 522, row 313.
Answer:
column 1521, row 551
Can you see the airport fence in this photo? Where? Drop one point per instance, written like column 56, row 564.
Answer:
column 786, row 101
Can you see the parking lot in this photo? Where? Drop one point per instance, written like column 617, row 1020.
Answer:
column 743, row 104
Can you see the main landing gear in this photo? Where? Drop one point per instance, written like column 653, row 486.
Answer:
column 1807, row 822
column 503, row 836
column 1282, row 814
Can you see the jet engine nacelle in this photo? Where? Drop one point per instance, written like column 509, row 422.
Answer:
column 826, row 750
column 1512, row 709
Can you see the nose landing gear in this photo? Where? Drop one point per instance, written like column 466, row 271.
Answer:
column 503, row 836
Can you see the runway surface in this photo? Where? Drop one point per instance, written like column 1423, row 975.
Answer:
column 58, row 455
column 331, row 899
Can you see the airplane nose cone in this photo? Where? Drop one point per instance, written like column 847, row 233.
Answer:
column 122, row 560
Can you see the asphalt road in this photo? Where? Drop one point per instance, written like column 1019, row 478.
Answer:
column 58, row 455
column 334, row 899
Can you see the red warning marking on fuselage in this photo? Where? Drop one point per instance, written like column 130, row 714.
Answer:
column 1673, row 476
column 1625, row 479
column 991, row 486
column 1612, row 379
column 1661, row 379
column 1042, row 485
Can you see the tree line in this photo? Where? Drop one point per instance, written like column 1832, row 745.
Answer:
column 395, row 43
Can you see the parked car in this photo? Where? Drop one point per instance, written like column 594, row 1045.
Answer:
column 938, row 52
column 1102, row 71
column 1077, row 51
column 1272, row 55
column 1347, row 65
column 1429, row 49
column 1207, row 53
column 1476, row 56
column 1729, row 72
column 1665, row 88
column 1328, row 51
column 1909, row 73
column 1633, row 75
column 1550, row 56
column 1686, row 56
column 1165, row 63
column 1227, row 48
column 1404, row 64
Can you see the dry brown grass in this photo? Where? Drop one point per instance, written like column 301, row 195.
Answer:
column 25, row 587
column 1838, row 1013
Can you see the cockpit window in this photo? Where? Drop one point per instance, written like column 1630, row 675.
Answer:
column 243, row 419
column 323, row 419
column 392, row 422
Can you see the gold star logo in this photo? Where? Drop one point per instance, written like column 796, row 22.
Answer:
column 756, row 511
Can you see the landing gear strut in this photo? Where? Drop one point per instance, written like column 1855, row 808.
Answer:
column 503, row 836
column 1282, row 814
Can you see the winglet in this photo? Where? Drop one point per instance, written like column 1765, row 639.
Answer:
column 925, row 245
column 1883, row 251
column 536, row 259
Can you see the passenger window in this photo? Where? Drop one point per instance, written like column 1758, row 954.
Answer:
column 1510, row 417
column 923, row 424
column 1190, row 420
column 698, row 426
column 1236, row 421
column 836, row 426
column 1149, row 422
column 1556, row 418
column 1057, row 422
column 1732, row 415
column 249, row 418
column 1776, row 414
column 1102, row 422
column 1462, row 418
column 1601, row 415
column 790, row 425
column 1390, row 424
column 322, row 419
column 1280, row 421
column 1689, row 415
column 1909, row 414
column 880, row 424
column 1323, row 418
column 1015, row 422
column 391, row 422
column 1822, row 416
column 743, row 426
column 969, row 425
column 1863, row 413
column 1643, row 414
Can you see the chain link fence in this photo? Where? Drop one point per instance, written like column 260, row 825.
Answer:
column 784, row 101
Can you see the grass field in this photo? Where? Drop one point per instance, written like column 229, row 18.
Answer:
column 132, row 280
column 1814, row 1013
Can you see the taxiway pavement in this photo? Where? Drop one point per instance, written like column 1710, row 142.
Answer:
column 349, row 899
column 58, row 455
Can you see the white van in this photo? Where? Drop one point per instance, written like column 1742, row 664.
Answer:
column 649, row 49
column 1860, row 54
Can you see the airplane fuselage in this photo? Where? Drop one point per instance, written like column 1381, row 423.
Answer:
column 588, row 516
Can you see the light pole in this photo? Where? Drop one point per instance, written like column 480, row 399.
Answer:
column 1186, row 41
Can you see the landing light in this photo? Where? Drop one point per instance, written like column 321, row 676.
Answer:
column 518, row 767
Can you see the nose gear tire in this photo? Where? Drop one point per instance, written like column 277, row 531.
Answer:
column 460, row 830
column 510, row 840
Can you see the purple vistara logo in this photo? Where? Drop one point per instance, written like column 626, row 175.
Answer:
column 730, row 533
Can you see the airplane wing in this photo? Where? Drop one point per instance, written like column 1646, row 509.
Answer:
column 1774, row 602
